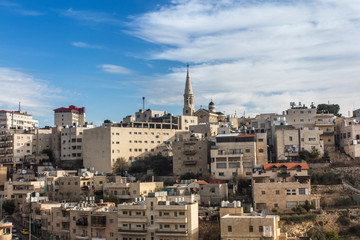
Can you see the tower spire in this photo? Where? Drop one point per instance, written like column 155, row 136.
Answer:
column 189, row 108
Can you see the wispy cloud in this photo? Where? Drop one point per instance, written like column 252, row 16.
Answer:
column 114, row 69
column 85, row 45
column 257, row 55
column 19, row 9
column 35, row 94
column 90, row 16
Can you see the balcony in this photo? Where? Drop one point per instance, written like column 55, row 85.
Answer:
column 283, row 174
column 133, row 231
column 190, row 162
column 64, row 219
column 98, row 221
column 82, row 222
column 173, row 233
column 189, row 152
column 172, row 219
column 82, row 237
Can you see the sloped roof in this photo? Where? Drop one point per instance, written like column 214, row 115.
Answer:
column 201, row 182
column 289, row 166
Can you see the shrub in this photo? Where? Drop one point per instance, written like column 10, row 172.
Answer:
column 343, row 202
column 289, row 219
column 355, row 230
column 344, row 219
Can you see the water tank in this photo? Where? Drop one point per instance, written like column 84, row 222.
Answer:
column 238, row 204
column 223, row 204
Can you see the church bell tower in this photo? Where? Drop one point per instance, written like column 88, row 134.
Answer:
column 189, row 108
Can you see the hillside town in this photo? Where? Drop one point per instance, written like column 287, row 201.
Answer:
column 200, row 175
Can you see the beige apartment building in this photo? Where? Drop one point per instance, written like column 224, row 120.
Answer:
column 17, row 120
column 209, row 131
column 85, row 220
column 236, row 154
column 191, row 154
column 289, row 141
column 128, row 191
column 71, row 145
column 18, row 190
column 282, row 186
column 348, row 136
column 102, row 146
column 235, row 224
column 155, row 218
column 6, row 230
column 69, row 116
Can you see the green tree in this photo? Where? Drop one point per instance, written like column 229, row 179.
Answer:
column 161, row 165
column 307, row 206
column 329, row 108
column 188, row 175
column 9, row 206
column 120, row 166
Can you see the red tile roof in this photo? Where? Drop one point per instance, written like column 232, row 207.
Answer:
column 71, row 108
column 201, row 182
column 289, row 166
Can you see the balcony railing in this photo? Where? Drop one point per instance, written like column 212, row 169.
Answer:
column 189, row 152
column 190, row 162
column 284, row 174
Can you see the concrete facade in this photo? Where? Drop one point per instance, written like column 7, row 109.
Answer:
column 155, row 218
column 348, row 136
column 17, row 120
column 69, row 116
column 282, row 186
column 236, row 154
column 191, row 154
column 102, row 146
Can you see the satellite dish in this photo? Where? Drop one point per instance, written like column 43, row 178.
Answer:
column 264, row 213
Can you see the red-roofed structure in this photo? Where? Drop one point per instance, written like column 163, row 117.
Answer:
column 289, row 166
column 201, row 182
column 71, row 108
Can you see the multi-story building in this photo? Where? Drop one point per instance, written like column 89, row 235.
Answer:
column 157, row 218
column 190, row 154
column 356, row 113
column 6, row 230
column 210, row 193
column 348, row 136
column 17, row 120
column 235, row 224
column 18, row 190
column 71, row 145
column 289, row 141
column 15, row 147
column 282, row 186
column 236, row 154
column 126, row 191
column 69, row 116
column 102, row 146
column 85, row 220
column 300, row 115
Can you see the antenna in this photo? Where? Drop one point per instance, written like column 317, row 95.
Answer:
column 143, row 98
column 19, row 106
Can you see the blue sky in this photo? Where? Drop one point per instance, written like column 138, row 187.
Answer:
column 252, row 56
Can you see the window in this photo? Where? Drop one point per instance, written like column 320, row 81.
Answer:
column 290, row 138
column 221, row 174
column 291, row 204
column 260, row 140
column 302, row 191
column 261, row 150
column 277, row 192
column 247, row 150
column 229, row 228
column 251, row 229
column 261, row 229
column 262, row 192
column 276, row 205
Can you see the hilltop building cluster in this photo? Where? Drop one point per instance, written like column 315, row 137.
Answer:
column 266, row 150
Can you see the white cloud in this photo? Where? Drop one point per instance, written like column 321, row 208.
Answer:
column 85, row 45
column 35, row 94
column 257, row 56
column 90, row 16
column 114, row 69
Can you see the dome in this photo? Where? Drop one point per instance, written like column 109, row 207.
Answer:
column 211, row 103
